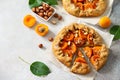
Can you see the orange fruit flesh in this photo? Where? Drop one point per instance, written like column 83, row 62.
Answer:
column 29, row 21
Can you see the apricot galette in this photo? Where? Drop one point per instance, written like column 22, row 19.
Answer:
column 83, row 8
column 69, row 42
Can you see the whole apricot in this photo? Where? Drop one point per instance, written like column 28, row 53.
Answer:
column 104, row 22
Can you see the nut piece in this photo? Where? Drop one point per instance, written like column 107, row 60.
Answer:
column 37, row 10
column 41, row 14
column 53, row 22
column 56, row 15
column 40, row 45
column 59, row 17
column 33, row 9
column 50, row 39
column 45, row 17
column 50, row 13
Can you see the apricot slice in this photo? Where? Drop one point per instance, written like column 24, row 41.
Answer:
column 80, row 59
column 41, row 29
column 94, row 58
column 88, row 51
column 29, row 21
column 68, row 52
column 69, row 36
column 63, row 45
column 90, row 39
column 71, row 48
column 96, row 49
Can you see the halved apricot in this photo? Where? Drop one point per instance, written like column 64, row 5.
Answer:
column 96, row 49
column 90, row 39
column 29, row 21
column 82, row 34
column 69, row 36
column 80, row 53
column 88, row 51
column 41, row 29
column 80, row 5
column 88, row 5
column 72, row 48
column 68, row 52
column 74, row 1
column 79, row 41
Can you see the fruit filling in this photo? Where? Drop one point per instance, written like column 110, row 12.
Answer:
column 85, row 4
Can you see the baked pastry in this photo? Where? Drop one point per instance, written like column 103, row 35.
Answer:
column 85, row 8
column 67, row 43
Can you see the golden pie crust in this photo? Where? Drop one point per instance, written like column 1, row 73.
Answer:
column 99, row 9
column 76, row 66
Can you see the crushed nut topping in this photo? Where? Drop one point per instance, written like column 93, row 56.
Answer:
column 69, row 43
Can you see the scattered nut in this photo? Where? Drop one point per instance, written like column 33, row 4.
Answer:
column 40, row 45
column 59, row 17
column 56, row 15
column 50, row 39
column 53, row 22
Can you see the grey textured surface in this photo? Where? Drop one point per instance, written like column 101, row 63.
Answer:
column 111, row 71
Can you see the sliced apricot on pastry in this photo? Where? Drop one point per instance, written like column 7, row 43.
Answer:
column 63, row 45
column 88, row 51
column 80, row 59
column 79, row 41
column 94, row 59
column 69, row 36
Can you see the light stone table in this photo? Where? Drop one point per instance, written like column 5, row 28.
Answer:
column 112, row 68
column 16, row 41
